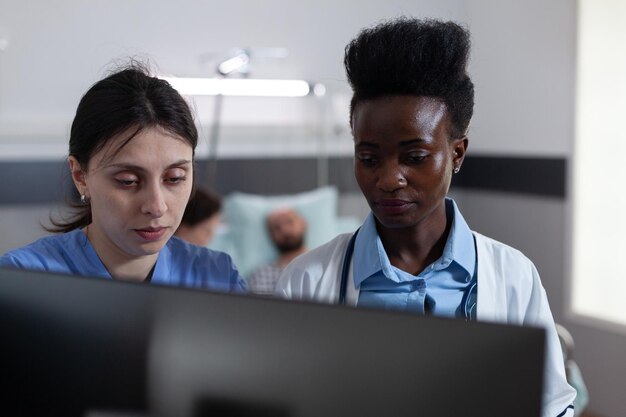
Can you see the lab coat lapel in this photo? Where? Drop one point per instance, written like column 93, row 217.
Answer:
column 352, row 293
column 488, row 302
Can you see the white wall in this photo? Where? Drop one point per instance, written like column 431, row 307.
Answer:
column 56, row 50
column 521, row 63
column 523, row 67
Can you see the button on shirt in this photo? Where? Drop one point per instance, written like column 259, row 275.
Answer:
column 439, row 289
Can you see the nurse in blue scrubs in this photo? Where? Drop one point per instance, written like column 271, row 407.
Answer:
column 131, row 157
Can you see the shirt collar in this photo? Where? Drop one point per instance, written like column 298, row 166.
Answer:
column 460, row 244
column 162, row 273
column 92, row 263
column 370, row 256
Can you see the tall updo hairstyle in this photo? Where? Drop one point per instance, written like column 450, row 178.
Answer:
column 416, row 57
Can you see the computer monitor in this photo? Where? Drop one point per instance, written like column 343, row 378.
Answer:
column 78, row 346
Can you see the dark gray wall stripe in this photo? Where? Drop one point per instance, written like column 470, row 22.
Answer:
column 278, row 176
column 538, row 176
column 36, row 182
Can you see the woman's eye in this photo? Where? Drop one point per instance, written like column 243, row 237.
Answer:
column 175, row 180
column 127, row 182
column 175, row 176
column 416, row 158
column 367, row 160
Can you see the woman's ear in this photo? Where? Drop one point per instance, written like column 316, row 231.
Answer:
column 78, row 176
column 459, row 148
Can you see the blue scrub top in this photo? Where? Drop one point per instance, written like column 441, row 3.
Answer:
column 439, row 289
column 179, row 263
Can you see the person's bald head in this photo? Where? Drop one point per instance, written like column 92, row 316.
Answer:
column 287, row 229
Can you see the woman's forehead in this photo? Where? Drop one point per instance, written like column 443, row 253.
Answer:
column 147, row 146
column 398, row 104
column 412, row 116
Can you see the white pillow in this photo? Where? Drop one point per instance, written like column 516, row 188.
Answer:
column 247, row 239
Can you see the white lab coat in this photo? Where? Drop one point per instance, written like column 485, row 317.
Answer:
column 509, row 291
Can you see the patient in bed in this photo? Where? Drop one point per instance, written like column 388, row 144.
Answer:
column 287, row 230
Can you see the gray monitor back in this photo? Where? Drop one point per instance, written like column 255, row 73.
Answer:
column 87, row 346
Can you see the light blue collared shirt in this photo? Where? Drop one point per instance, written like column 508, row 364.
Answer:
column 438, row 289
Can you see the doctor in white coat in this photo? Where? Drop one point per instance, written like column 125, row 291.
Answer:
column 410, row 112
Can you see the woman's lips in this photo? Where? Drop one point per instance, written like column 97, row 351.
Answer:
column 393, row 206
column 151, row 234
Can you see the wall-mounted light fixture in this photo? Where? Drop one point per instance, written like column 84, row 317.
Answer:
column 238, row 63
column 245, row 87
column 223, row 84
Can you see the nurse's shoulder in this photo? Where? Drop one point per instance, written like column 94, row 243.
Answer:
column 49, row 253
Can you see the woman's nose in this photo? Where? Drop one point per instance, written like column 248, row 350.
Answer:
column 391, row 178
column 154, row 202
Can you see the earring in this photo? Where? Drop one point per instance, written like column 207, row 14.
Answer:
column 456, row 170
column 83, row 199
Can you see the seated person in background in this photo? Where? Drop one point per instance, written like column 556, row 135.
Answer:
column 410, row 113
column 201, row 218
column 131, row 154
column 287, row 229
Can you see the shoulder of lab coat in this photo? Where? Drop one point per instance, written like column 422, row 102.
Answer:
column 314, row 276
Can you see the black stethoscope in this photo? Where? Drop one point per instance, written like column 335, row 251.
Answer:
column 469, row 297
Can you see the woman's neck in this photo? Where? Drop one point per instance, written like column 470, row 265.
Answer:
column 119, row 265
column 413, row 248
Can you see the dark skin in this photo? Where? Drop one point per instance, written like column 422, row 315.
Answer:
column 405, row 155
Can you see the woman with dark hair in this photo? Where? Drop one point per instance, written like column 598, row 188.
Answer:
column 410, row 113
column 131, row 155
column 201, row 218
